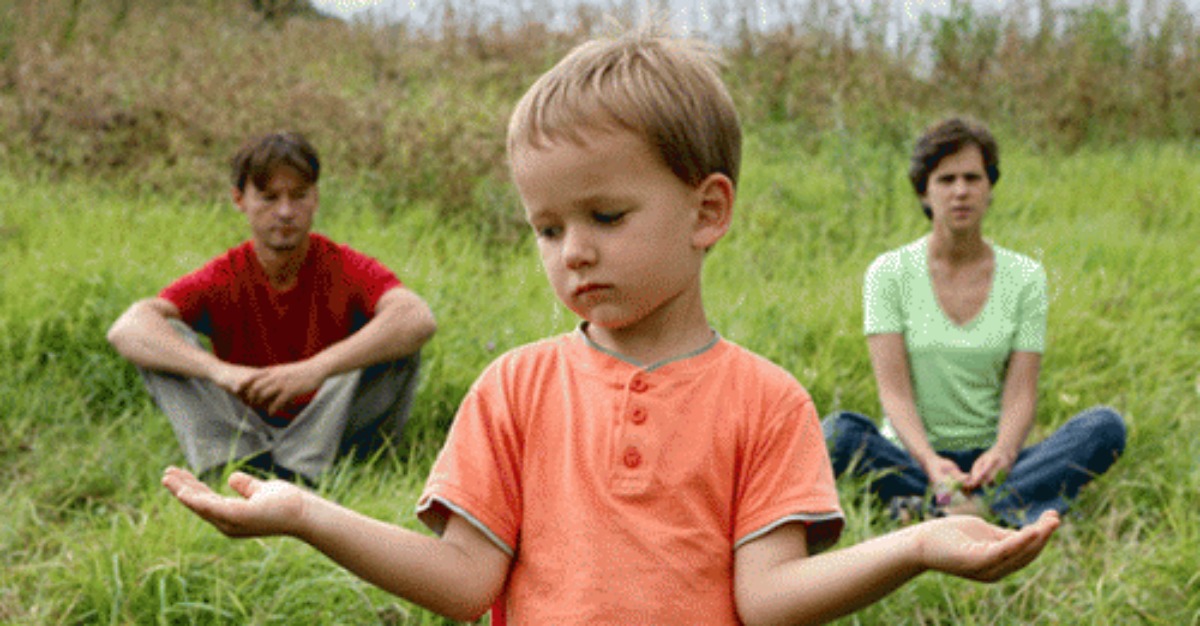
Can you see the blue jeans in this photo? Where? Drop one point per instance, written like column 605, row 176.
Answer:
column 1046, row 476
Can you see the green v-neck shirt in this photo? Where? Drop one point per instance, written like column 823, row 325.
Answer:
column 957, row 370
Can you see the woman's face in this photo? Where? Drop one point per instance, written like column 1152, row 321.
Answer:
column 959, row 192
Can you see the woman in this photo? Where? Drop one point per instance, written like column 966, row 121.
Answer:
column 955, row 327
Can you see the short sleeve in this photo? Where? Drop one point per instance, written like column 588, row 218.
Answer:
column 1033, row 307
column 882, row 303
column 477, row 473
column 193, row 292
column 370, row 278
column 787, row 477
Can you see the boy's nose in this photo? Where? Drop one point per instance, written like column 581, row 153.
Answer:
column 578, row 250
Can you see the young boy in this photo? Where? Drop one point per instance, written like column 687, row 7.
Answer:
column 640, row 470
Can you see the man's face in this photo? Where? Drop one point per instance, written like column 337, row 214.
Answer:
column 280, row 215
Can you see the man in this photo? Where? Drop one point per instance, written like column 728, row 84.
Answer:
column 315, row 347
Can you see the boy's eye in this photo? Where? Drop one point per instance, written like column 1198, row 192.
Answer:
column 607, row 218
column 547, row 232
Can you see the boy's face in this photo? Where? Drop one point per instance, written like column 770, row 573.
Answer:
column 280, row 215
column 622, row 239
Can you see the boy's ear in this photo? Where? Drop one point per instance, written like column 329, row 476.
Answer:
column 716, row 194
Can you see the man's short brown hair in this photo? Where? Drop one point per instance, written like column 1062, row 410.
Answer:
column 259, row 158
column 666, row 90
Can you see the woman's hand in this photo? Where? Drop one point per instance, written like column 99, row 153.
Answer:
column 942, row 472
column 987, row 467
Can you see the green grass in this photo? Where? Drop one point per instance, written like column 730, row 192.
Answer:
column 89, row 537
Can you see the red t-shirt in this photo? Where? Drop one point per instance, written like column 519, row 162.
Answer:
column 230, row 299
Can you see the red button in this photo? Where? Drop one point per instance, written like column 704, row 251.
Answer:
column 633, row 458
column 638, row 416
column 638, row 385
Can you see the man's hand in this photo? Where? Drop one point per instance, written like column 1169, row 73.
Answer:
column 969, row 547
column 265, row 508
column 275, row 386
column 233, row 378
column 989, row 465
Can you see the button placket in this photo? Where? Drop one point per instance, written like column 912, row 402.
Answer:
column 632, row 458
column 630, row 454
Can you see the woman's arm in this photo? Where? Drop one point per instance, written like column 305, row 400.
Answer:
column 889, row 360
column 1018, row 406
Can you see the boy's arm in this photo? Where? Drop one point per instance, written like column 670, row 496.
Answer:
column 776, row 583
column 458, row 575
column 889, row 360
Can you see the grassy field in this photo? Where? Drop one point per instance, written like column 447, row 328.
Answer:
column 89, row 537
column 117, row 115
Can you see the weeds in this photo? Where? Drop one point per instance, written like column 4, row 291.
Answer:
column 108, row 90
column 112, row 151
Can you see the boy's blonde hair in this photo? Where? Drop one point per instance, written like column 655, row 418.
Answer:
column 666, row 90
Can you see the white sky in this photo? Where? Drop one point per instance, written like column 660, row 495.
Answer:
column 350, row 8
column 911, row 8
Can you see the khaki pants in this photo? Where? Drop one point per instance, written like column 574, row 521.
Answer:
column 359, row 409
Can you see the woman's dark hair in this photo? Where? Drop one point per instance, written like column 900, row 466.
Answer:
column 258, row 159
column 945, row 138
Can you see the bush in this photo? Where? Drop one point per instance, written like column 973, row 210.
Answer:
column 155, row 95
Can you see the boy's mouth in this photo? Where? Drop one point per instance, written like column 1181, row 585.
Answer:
column 587, row 288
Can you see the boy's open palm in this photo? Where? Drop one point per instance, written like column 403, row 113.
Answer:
column 969, row 547
column 272, row 507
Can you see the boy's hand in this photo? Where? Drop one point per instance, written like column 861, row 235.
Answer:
column 272, row 507
column 969, row 547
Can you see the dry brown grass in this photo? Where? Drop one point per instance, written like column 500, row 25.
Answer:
column 154, row 94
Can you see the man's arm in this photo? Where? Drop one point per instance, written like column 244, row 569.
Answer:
column 1018, row 406
column 458, row 575
column 776, row 583
column 143, row 335
column 889, row 359
column 401, row 325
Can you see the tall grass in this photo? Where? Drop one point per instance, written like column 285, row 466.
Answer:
column 116, row 117
column 146, row 92
column 89, row 537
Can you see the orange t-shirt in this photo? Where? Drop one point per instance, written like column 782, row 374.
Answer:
column 623, row 491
